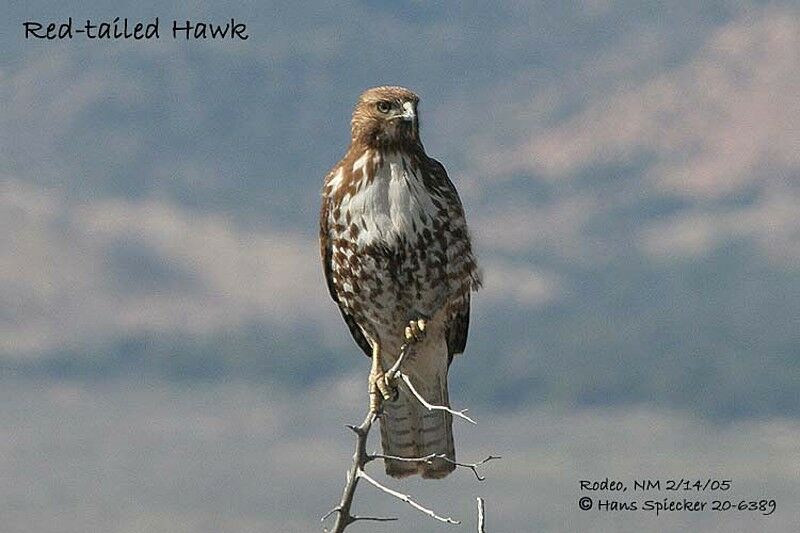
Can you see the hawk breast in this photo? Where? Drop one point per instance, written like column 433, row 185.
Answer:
column 387, row 265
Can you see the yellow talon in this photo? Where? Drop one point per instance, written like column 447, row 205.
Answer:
column 380, row 387
column 415, row 331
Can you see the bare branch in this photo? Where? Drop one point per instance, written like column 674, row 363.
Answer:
column 430, row 457
column 481, row 518
column 329, row 513
column 344, row 518
column 474, row 466
column 406, row 498
column 360, row 458
column 391, row 374
column 374, row 518
column 424, row 459
column 431, row 407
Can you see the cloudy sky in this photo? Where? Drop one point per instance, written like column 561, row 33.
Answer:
column 630, row 172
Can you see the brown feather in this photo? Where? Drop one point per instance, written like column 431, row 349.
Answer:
column 325, row 252
column 392, row 257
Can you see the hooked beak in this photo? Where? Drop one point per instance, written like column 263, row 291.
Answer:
column 409, row 113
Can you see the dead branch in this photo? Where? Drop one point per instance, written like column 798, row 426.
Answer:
column 342, row 511
column 481, row 518
column 428, row 459
column 361, row 458
column 430, row 407
column 406, row 498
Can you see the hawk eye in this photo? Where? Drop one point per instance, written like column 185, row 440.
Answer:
column 384, row 106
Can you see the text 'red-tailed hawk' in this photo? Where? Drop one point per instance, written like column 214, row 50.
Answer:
column 399, row 263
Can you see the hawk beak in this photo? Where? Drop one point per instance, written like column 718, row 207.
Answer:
column 409, row 113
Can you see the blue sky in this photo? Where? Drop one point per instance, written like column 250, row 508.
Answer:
column 629, row 171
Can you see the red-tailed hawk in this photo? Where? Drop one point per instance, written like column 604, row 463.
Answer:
column 398, row 262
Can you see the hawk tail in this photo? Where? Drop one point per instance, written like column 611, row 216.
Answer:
column 408, row 429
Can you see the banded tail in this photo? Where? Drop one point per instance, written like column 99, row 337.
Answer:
column 408, row 429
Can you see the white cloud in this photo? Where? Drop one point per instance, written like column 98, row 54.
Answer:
column 120, row 456
column 772, row 222
column 508, row 282
column 557, row 225
column 197, row 273
column 78, row 273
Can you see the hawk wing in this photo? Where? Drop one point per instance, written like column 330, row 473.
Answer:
column 458, row 327
column 457, row 332
column 325, row 252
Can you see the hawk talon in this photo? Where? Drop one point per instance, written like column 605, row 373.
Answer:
column 415, row 330
column 381, row 389
column 391, row 384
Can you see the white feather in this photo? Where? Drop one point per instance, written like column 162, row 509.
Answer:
column 336, row 181
column 361, row 161
column 391, row 205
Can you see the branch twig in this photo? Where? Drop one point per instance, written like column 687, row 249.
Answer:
column 431, row 407
column 374, row 518
column 360, row 458
column 430, row 457
column 391, row 374
column 406, row 498
column 481, row 517
column 343, row 516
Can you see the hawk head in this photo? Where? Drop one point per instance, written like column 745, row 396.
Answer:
column 386, row 117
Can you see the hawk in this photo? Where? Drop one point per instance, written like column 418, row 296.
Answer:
column 398, row 262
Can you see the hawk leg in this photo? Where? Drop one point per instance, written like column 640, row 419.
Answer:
column 381, row 387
